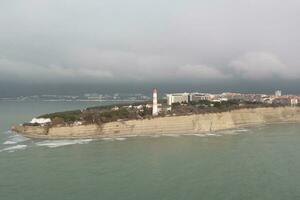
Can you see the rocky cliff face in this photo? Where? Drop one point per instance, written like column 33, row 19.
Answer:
column 167, row 125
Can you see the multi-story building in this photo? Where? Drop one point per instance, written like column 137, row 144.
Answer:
column 199, row 96
column 284, row 100
column 294, row 102
column 177, row 98
column 278, row 93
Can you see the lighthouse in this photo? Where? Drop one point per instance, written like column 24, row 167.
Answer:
column 154, row 105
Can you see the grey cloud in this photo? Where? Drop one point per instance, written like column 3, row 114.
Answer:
column 149, row 41
column 22, row 71
column 201, row 72
column 262, row 65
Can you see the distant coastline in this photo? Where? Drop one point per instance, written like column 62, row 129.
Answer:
column 185, row 124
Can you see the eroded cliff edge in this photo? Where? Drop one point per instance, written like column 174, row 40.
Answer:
column 189, row 124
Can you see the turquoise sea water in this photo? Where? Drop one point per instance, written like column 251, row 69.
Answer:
column 261, row 162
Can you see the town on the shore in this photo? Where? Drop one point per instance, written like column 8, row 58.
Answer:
column 184, row 97
column 276, row 98
column 168, row 105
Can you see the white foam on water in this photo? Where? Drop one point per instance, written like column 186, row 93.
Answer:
column 107, row 139
column 60, row 143
column 172, row 135
column 200, row 135
column 212, row 134
column 18, row 138
column 8, row 132
column 191, row 134
column 242, row 130
column 14, row 148
column 8, row 142
column 155, row 136
column 234, row 131
column 128, row 136
column 120, row 139
column 230, row 132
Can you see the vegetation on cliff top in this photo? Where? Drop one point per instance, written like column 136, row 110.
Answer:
column 104, row 114
column 99, row 115
column 205, row 106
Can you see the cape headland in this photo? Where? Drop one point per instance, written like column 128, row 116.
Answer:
column 193, row 123
column 180, row 113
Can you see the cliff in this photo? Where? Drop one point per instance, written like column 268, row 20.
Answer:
column 166, row 125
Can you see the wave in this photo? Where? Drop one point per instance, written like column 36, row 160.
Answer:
column 230, row 132
column 242, row 130
column 233, row 131
column 204, row 134
column 8, row 142
column 14, row 148
column 107, row 139
column 155, row 136
column 59, row 143
column 212, row 134
column 128, row 136
column 17, row 138
column 14, row 138
column 8, row 132
column 120, row 139
column 199, row 135
column 172, row 135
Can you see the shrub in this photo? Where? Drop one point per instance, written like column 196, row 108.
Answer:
column 68, row 116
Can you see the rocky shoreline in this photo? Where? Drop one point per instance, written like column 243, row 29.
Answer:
column 188, row 124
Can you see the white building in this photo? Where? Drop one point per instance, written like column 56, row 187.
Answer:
column 278, row 93
column 40, row 121
column 139, row 107
column 221, row 99
column 115, row 108
column 177, row 98
column 199, row 96
column 294, row 102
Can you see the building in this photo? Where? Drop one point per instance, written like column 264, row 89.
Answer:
column 40, row 121
column 282, row 100
column 278, row 93
column 115, row 108
column 199, row 97
column 154, row 104
column 177, row 98
column 294, row 102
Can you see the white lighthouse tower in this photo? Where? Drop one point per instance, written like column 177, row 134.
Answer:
column 154, row 105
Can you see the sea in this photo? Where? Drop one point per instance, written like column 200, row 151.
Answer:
column 259, row 162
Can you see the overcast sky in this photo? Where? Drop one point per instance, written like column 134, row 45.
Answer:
column 111, row 43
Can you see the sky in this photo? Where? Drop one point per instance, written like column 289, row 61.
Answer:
column 69, row 46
